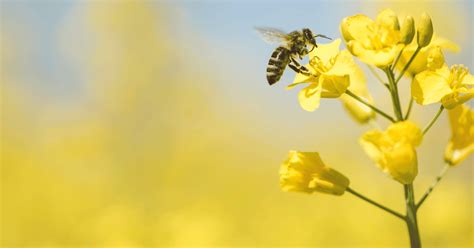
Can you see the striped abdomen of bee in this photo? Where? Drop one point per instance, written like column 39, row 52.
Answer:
column 276, row 65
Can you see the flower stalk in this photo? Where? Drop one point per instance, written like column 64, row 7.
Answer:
column 394, row 93
column 361, row 100
column 410, row 105
column 393, row 212
column 407, row 65
column 410, row 218
column 427, row 128
column 433, row 185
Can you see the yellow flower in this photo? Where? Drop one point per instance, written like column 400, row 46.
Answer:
column 373, row 42
column 330, row 69
column 394, row 150
column 450, row 86
column 420, row 62
column 461, row 144
column 306, row 172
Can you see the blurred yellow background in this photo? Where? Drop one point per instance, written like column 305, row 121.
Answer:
column 141, row 123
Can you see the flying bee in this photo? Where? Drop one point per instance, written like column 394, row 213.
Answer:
column 293, row 45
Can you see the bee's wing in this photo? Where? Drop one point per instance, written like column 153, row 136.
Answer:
column 272, row 35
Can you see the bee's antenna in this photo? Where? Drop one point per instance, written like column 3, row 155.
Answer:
column 312, row 48
column 323, row 36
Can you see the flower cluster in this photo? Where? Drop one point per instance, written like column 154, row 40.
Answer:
column 398, row 51
column 413, row 51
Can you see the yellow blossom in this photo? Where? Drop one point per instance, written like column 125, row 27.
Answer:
column 394, row 150
column 374, row 42
column 306, row 172
column 330, row 70
column 420, row 62
column 461, row 144
column 450, row 86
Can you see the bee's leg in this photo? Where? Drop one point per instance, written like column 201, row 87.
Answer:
column 296, row 69
column 301, row 70
column 296, row 66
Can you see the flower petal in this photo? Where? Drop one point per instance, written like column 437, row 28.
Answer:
column 459, row 96
column 380, row 58
column 387, row 19
column 306, row 172
column 356, row 28
column 310, row 97
column 402, row 163
column 333, row 86
column 394, row 150
column 445, row 44
column 325, row 52
column 429, row 87
column 435, row 59
column 405, row 132
column 372, row 143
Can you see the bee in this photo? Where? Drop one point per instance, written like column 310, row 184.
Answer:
column 293, row 45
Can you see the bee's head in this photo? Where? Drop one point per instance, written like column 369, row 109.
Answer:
column 309, row 37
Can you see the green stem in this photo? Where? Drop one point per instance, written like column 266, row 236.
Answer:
column 433, row 185
column 410, row 105
column 427, row 128
column 398, row 58
column 363, row 101
column 410, row 218
column 375, row 203
column 394, row 93
column 408, row 64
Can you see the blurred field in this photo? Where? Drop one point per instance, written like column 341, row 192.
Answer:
column 124, row 124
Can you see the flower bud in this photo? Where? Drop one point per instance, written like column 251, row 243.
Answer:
column 408, row 30
column 425, row 31
column 306, row 172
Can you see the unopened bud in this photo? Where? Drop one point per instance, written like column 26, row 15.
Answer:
column 425, row 31
column 408, row 30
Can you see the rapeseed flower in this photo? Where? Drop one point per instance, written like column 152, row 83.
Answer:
column 373, row 42
column 330, row 75
column 306, row 172
column 439, row 83
column 394, row 150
